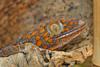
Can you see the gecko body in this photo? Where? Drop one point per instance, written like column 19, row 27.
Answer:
column 51, row 36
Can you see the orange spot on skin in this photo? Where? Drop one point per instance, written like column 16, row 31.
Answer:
column 28, row 36
column 50, row 41
column 76, row 23
column 46, row 38
column 45, row 34
column 38, row 43
column 63, row 20
column 42, row 30
column 73, row 19
column 33, row 47
column 45, row 46
column 33, row 33
column 37, row 37
column 70, row 23
column 65, row 24
column 66, row 29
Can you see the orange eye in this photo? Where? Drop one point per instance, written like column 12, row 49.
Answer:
column 37, row 37
column 38, row 43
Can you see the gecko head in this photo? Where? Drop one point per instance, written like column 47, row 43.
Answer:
column 60, row 29
column 71, row 27
column 67, row 31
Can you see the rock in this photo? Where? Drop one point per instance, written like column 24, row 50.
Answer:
column 36, row 57
column 17, row 60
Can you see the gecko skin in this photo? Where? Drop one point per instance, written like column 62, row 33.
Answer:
column 51, row 36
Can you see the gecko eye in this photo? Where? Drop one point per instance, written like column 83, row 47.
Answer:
column 55, row 28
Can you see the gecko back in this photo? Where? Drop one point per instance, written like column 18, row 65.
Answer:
column 54, row 34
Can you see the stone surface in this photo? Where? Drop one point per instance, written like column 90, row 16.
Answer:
column 40, row 58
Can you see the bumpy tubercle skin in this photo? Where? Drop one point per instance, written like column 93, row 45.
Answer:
column 42, row 38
